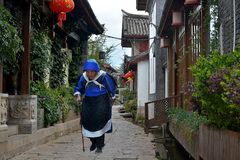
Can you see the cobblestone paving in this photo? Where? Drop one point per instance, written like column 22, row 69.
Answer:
column 127, row 142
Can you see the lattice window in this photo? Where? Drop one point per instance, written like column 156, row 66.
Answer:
column 196, row 36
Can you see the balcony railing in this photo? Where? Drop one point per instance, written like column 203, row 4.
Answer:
column 156, row 111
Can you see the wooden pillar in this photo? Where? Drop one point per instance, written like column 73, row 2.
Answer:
column 84, row 51
column 25, row 64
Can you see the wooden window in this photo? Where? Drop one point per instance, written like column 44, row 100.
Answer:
column 196, row 36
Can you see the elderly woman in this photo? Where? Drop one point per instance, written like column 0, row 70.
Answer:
column 99, row 90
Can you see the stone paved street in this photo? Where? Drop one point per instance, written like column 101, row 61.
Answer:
column 127, row 142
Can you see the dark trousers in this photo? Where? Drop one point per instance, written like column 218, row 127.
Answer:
column 98, row 141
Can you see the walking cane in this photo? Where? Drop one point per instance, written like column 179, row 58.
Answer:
column 83, row 146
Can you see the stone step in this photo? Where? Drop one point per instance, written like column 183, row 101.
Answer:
column 126, row 115
column 121, row 110
column 12, row 130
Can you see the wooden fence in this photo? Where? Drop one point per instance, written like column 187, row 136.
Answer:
column 155, row 111
column 218, row 144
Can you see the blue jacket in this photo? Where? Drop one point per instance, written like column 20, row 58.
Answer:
column 102, row 84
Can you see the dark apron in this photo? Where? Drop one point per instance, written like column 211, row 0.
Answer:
column 96, row 112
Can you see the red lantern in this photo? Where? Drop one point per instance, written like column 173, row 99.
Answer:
column 61, row 7
column 128, row 75
column 192, row 2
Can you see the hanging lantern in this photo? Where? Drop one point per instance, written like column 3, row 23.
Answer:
column 128, row 75
column 177, row 18
column 130, row 79
column 101, row 55
column 164, row 42
column 61, row 7
column 192, row 2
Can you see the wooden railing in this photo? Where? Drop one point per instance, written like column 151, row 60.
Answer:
column 155, row 111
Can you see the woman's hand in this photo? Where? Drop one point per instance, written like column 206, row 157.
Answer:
column 78, row 98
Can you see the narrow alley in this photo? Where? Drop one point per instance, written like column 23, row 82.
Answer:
column 128, row 142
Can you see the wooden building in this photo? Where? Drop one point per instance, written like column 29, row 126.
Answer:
column 184, row 32
column 80, row 25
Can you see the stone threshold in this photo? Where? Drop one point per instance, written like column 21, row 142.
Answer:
column 20, row 143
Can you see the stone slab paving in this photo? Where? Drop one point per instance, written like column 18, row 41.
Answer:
column 127, row 142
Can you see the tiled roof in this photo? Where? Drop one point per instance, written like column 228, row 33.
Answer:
column 134, row 27
column 138, row 58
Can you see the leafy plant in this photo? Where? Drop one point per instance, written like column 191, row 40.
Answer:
column 47, row 101
column 64, row 99
column 140, row 119
column 41, row 60
column 96, row 45
column 9, row 40
column 56, row 102
column 131, row 107
column 216, row 88
column 74, row 72
column 191, row 120
column 60, row 60
column 128, row 95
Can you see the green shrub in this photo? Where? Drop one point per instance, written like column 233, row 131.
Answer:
column 191, row 120
column 140, row 119
column 131, row 107
column 56, row 102
column 64, row 100
column 41, row 60
column 216, row 88
column 10, row 42
column 128, row 95
column 47, row 101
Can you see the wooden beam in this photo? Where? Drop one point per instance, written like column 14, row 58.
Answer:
column 25, row 64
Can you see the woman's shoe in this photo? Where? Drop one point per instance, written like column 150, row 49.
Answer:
column 99, row 150
column 93, row 147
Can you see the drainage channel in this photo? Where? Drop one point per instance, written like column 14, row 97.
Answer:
column 168, row 148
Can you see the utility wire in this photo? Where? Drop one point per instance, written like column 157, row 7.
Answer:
column 118, row 38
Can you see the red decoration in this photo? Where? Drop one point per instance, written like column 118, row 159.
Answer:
column 61, row 7
column 192, row 2
column 128, row 75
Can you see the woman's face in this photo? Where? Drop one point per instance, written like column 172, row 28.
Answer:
column 91, row 74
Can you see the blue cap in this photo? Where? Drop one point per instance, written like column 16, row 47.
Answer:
column 91, row 65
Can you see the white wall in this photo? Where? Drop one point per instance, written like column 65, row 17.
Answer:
column 142, row 81
column 166, row 82
column 152, row 59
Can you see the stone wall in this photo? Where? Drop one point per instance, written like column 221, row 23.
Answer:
column 22, row 111
column 21, row 143
column 3, row 118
